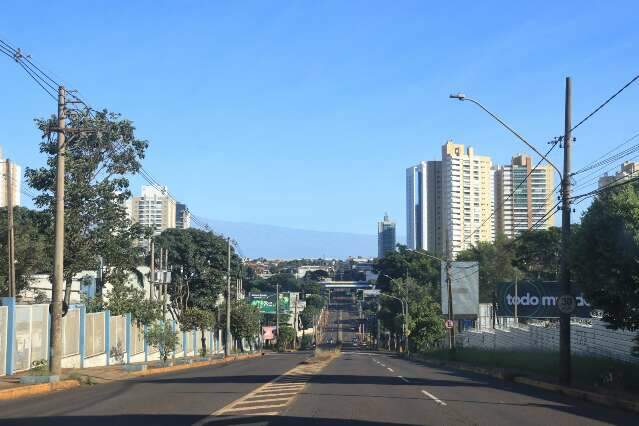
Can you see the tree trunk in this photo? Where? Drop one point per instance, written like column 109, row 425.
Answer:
column 203, row 338
column 67, row 295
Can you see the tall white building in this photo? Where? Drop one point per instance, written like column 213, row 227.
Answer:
column 154, row 208
column 530, row 203
column 182, row 216
column 424, row 206
column 468, row 198
column 15, row 172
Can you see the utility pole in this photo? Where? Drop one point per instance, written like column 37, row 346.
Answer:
column 564, row 274
column 449, row 283
column 165, row 280
column 379, row 324
column 58, row 264
column 10, row 231
column 161, row 275
column 277, row 310
column 228, row 299
column 152, row 280
column 295, row 326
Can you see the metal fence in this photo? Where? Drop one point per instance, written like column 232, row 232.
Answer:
column 137, row 338
column 4, row 332
column 117, row 332
column 189, row 342
column 31, row 335
column 71, row 333
column 94, row 334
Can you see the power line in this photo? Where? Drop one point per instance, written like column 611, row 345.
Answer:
column 554, row 144
column 605, row 103
column 627, row 141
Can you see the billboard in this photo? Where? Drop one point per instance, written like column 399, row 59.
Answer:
column 465, row 289
column 268, row 332
column 266, row 302
column 537, row 299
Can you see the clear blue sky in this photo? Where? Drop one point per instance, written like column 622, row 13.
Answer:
column 306, row 114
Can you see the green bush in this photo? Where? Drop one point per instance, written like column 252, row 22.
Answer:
column 161, row 336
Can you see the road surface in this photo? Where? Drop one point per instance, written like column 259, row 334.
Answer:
column 358, row 388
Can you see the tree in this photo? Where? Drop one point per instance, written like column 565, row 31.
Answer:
column 285, row 337
column 198, row 262
column 245, row 319
column 495, row 264
column 97, row 166
column 405, row 263
column 197, row 319
column 162, row 336
column 124, row 299
column 314, row 276
column 536, row 253
column 33, row 246
column 605, row 250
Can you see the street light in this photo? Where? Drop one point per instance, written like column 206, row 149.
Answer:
column 404, row 303
column 463, row 97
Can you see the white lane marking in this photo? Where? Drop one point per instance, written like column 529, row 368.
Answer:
column 265, row 394
column 383, row 365
column 404, row 379
column 255, row 407
column 433, row 397
column 390, row 369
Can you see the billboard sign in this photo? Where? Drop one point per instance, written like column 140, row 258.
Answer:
column 266, row 302
column 465, row 289
column 538, row 299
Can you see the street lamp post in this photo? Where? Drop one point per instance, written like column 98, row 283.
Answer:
column 564, row 179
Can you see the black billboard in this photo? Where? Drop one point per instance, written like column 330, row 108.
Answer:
column 537, row 299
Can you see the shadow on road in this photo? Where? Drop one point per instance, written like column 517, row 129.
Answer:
column 175, row 420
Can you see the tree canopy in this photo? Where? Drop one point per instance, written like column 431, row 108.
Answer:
column 97, row 166
column 605, row 250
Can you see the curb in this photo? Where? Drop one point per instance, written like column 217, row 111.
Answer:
column 31, row 390
column 39, row 389
column 605, row 400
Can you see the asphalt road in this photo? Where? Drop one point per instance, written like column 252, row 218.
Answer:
column 358, row 388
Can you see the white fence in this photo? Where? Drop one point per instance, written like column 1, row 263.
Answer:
column 31, row 335
column 88, row 339
column 94, row 331
column 591, row 340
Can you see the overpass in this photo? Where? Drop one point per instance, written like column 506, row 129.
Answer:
column 347, row 284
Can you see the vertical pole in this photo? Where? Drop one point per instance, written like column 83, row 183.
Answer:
column 10, row 348
column 83, row 333
column 152, row 280
column 161, row 280
column 379, row 325
column 107, row 337
column 277, row 310
column 451, row 331
column 227, row 347
column 166, row 282
column 58, row 264
column 295, row 322
column 10, row 231
column 564, row 319
column 516, row 300
column 127, row 337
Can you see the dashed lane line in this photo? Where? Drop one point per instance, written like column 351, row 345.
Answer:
column 434, row 398
column 390, row 369
column 404, row 379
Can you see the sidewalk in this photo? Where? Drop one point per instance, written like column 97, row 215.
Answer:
column 10, row 386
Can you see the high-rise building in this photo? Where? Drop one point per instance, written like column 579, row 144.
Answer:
column 628, row 170
column 154, row 208
column 385, row 236
column 15, row 172
column 182, row 216
column 468, row 198
column 530, row 203
column 424, row 206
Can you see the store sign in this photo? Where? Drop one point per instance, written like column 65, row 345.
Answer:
column 540, row 299
column 268, row 332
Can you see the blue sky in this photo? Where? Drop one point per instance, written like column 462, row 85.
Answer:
column 306, row 114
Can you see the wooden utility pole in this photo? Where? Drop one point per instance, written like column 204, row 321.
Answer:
column 449, row 284
column 165, row 282
column 564, row 273
column 227, row 349
column 277, row 310
column 58, row 263
column 11, row 247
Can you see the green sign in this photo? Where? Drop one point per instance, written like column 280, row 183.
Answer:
column 266, row 302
